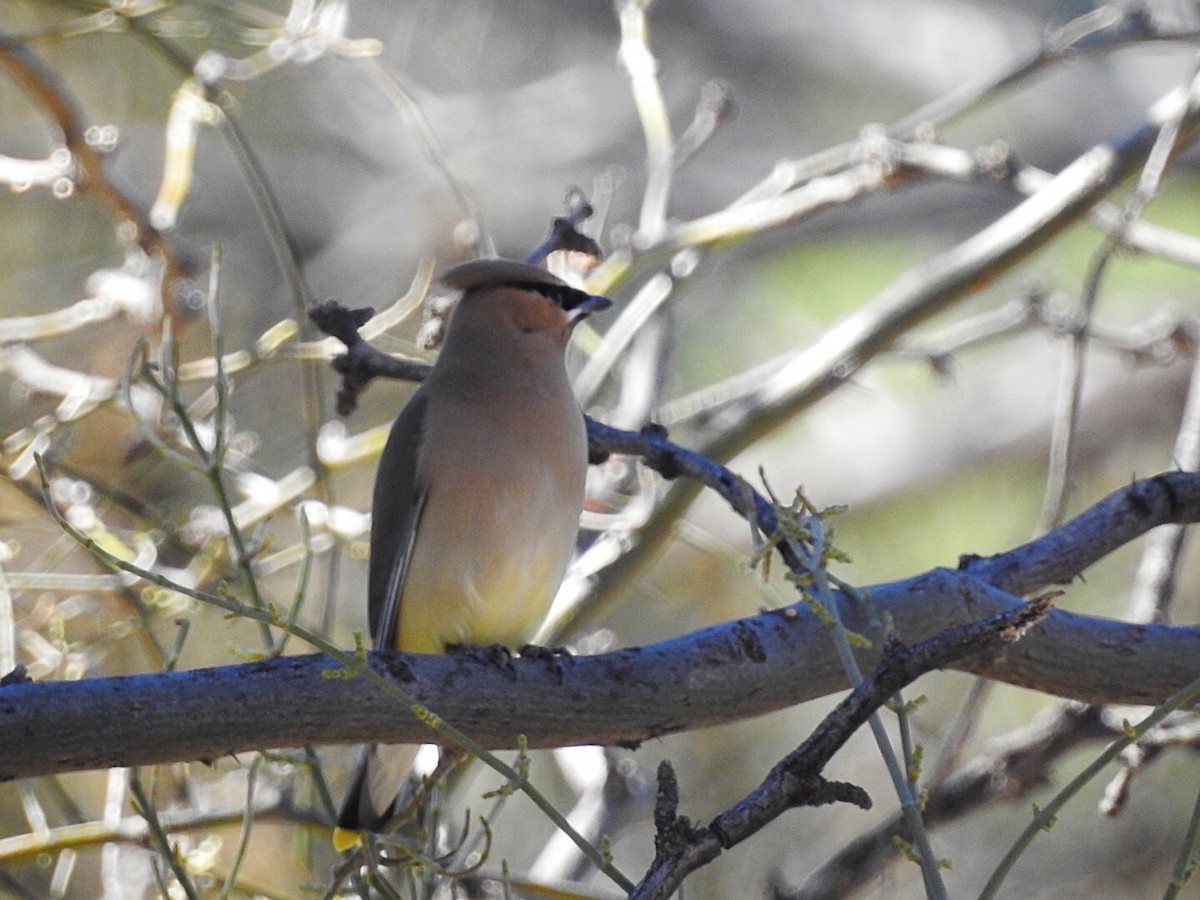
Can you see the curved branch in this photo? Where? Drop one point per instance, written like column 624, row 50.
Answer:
column 720, row 674
column 48, row 92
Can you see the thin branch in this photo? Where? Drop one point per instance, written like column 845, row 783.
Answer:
column 51, row 95
column 1154, row 584
column 565, row 234
column 135, row 830
column 361, row 363
column 1070, row 395
column 641, row 66
column 1103, row 30
column 431, row 145
column 714, row 107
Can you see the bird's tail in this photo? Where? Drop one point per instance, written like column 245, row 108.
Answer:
column 371, row 799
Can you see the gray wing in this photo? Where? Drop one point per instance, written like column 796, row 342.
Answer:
column 395, row 515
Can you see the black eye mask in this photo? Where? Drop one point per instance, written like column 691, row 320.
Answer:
column 565, row 296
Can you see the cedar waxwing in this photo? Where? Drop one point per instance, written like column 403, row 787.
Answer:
column 478, row 492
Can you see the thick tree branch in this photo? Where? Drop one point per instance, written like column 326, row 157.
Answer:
column 720, row 674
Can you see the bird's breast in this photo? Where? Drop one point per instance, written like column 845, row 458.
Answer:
column 498, row 529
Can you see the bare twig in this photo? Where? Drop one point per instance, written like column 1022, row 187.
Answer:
column 49, row 94
column 565, row 234
column 1070, row 394
column 642, row 67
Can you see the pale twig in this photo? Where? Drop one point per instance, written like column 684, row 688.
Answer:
column 429, row 142
column 1066, row 417
column 745, row 219
column 1004, row 321
column 1181, row 729
column 302, row 578
column 135, row 830
column 8, row 628
column 714, row 107
column 645, row 304
column 93, row 309
column 641, row 66
column 1102, row 30
column 71, row 27
column 1154, row 584
column 960, row 731
column 1173, row 110
column 248, row 819
column 1186, row 862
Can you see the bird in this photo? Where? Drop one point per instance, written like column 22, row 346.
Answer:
column 478, row 492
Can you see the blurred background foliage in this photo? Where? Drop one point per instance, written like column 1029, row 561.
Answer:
column 389, row 136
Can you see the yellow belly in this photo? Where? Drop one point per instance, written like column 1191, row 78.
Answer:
column 483, row 601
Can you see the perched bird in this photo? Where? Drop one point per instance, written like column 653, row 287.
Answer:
column 478, row 491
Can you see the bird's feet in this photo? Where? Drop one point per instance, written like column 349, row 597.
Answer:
column 501, row 657
column 554, row 657
column 496, row 655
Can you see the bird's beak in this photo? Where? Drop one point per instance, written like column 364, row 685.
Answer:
column 593, row 304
